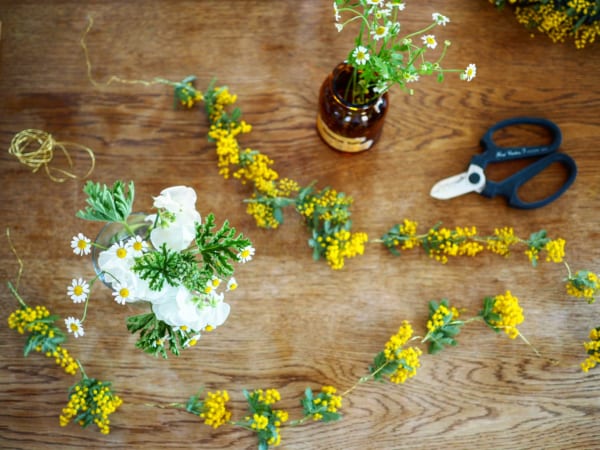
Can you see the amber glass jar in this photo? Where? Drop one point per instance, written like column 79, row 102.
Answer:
column 346, row 126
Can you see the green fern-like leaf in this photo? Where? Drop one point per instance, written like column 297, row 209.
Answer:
column 108, row 204
column 220, row 248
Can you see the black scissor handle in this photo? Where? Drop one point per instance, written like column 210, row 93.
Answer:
column 494, row 153
column 510, row 186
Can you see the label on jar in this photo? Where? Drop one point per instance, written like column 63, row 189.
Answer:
column 342, row 143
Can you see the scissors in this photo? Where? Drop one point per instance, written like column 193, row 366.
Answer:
column 474, row 179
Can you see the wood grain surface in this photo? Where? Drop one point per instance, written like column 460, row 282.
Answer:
column 295, row 323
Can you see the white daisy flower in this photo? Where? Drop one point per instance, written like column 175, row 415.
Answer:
column 469, row 72
column 383, row 12
column 81, row 245
column 232, row 284
column 440, row 19
column 411, row 77
column 122, row 294
column 361, row 55
column 160, row 342
column 429, row 40
column 74, row 326
column 212, row 285
column 137, row 245
column 398, row 4
column 380, row 32
column 79, row 290
column 193, row 340
column 246, row 254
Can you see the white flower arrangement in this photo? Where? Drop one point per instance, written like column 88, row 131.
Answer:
column 178, row 265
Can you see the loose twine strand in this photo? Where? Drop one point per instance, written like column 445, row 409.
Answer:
column 42, row 155
column 14, row 250
column 113, row 78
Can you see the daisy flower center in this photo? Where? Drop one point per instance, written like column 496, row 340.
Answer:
column 81, row 244
column 124, row 292
column 121, row 253
column 78, row 290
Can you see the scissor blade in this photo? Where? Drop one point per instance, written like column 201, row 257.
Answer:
column 453, row 187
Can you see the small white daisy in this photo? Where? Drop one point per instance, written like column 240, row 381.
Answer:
column 429, row 40
column 81, row 245
column 212, row 285
column 411, row 77
column 380, row 32
column 383, row 12
column 440, row 19
column 232, row 284
column 193, row 340
column 121, row 294
column 246, row 254
column 398, row 4
column 160, row 342
column 469, row 72
column 137, row 245
column 339, row 27
column 380, row 87
column 79, row 290
column 74, row 326
column 361, row 55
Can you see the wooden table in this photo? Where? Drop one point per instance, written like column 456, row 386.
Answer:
column 295, row 323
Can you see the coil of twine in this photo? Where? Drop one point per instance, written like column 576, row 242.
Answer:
column 35, row 148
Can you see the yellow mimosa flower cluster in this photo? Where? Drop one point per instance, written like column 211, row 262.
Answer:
column 559, row 20
column 36, row 321
column 394, row 351
column 214, row 410
column 445, row 242
column 510, row 312
column 328, row 401
column 263, row 419
column 227, row 147
column 502, row 240
column 269, row 396
column 343, row 244
column 92, row 401
column 30, row 320
column 410, row 357
column 437, row 319
column 592, row 347
column 555, row 250
column 584, row 284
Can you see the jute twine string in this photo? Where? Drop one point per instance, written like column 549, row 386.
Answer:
column 14, row 250
column 113, row 78
column 35, row 148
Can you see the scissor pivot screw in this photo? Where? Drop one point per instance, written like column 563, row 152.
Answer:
column 474, row 178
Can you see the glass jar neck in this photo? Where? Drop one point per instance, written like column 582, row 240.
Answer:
column 345, row 87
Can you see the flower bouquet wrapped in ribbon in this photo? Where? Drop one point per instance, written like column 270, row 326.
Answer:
column 171, row 260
